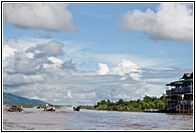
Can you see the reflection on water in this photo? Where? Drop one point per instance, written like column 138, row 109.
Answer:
column 66, row 119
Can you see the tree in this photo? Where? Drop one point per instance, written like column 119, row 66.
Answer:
column 133, row 105
column 147, row 99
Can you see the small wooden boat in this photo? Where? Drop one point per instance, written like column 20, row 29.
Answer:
column 14, row 108
column 76, row 108
column 162, row 111
column 154, row 111
column 38, row 107
column 49, row 108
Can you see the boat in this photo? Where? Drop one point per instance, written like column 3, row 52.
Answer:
column 172, row 110
column 38, row 107
column 49, row 108
column 154, row 111
column 14, row 108
column 76, row 108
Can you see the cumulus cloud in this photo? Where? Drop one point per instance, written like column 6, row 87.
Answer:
column 55, row 60
column 49, row 16
column 52, row 48
column 125, row 69
column 38, row 59
column 69, row 65
column 102, row 69
column 51, row 82
column 29, row 55
column 26, row 73
column 35, row 57
column 8, row 51
column 40, row 72
column 171, row 21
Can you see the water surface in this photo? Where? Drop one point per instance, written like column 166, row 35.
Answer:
column 66, row 119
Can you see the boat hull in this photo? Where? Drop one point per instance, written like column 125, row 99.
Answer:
column 14, row 109
column 162, row 111
column 49, row 108
column 76, row 108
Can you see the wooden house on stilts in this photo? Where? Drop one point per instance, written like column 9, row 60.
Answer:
column 180, row 94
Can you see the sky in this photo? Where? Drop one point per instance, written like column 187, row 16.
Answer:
column 82, row 53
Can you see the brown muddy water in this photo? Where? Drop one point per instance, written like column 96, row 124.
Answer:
column 65, row 118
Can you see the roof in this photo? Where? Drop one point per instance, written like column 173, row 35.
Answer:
column 175, row 83
column 187, row 76
column 180, row 82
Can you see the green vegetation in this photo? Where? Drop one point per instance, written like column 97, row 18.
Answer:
column 132, row 105
column 32, row 106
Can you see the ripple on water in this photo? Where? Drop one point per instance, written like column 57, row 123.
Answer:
column 67, row 119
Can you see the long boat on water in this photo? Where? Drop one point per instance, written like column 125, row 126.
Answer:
column 49, row 108
column 76, row 108
column 161, row 111
column 14, row 108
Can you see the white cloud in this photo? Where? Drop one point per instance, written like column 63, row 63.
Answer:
column 52, row 48
column 103, row 69
column 8, row 51
column 54, row 80
column 83, row 87
column 171, row 21
column 29, row 55
column 126, row 67
column 49, row 16
column 55, row 60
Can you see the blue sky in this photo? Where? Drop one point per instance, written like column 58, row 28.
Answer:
column 81, row 52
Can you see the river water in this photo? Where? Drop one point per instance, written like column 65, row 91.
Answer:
column 66, row 119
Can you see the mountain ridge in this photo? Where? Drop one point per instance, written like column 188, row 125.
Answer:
column 9, row 98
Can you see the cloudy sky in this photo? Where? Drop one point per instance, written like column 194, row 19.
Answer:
column 81, row 53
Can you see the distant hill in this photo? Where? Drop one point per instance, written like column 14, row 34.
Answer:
column 9, row 98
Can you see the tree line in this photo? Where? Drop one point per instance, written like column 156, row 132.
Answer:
column 133, row 105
